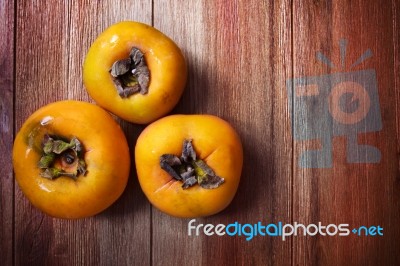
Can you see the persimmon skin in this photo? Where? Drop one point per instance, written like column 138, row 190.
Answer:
column 167, row 65
column 106, row 156
column 214, row 141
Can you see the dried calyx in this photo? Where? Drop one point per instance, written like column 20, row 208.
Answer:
column 61, row 158
column 189, row 169
column 131, row 75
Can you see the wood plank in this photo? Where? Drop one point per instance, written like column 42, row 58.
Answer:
column 342, row 192
column 396, row 70
column 182, row 23
column 6, row 130
column 239, row 55
column 50, row 53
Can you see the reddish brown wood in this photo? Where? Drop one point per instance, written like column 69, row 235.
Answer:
column 396, row 70
column 6, row 130
column 170, row 242
column 240, row 56
column 357, row 194
column 52, row 41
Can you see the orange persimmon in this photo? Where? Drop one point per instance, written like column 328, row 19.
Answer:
column 201, row 146
column 135, row 71
column 71, row 159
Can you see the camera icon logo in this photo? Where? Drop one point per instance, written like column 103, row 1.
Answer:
column 337, row 104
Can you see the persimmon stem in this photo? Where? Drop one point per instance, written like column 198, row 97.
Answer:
column 61, row 158
column 189, row 169
column 131, row 75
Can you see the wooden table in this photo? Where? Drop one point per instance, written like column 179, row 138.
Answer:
column 249, row 63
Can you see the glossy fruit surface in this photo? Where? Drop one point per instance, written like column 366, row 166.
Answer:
column 214, row 141
column 165, row 62
column 103, row 154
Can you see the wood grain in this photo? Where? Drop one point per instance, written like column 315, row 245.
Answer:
column 49, row 59
column 170, row 242
column 242, row 56
column 361, row 193
column 234, row 59
column 6, row 130
column 396, row 70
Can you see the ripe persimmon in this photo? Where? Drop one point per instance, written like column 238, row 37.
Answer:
column 189, row 165
column 135, row 71
column 71, row 159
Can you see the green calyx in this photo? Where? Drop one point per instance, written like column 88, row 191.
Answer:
column 62, row 158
